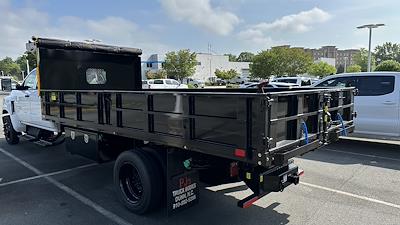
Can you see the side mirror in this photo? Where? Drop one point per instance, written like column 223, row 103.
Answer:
column 20, row 87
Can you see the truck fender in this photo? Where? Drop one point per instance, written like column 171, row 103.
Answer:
column 16, row 123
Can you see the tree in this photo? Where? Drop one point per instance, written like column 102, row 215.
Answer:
column 387, row 51
column 159, row 74
column 245, row 57
column 321, row 69
column 21, row 61
column 361, row 59
column 226, row 74
column 298, row 62
column 262, row 65
column 280, row 61
column 232, row 58
column 388, row 65
column 353, row 69
column 181, row 64
column 10, row 68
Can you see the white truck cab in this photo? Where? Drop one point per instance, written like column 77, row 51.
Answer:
column 22, row 112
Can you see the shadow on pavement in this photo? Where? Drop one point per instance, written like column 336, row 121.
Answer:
column 358, row 152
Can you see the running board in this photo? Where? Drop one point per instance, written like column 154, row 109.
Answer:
column 35, row 140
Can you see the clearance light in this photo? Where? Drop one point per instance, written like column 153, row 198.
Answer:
column 240, row 153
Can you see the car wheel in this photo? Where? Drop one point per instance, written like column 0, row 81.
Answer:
column 137, row 181
column 9, row 133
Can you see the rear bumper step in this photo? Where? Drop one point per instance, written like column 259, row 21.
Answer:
column 275, row 181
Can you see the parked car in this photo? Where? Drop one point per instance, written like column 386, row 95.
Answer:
column 237, row 80
column 246, row 84
column 196, row 83
column 145, row 84
column 377, row 103
column 273, row 85
column 165, row 84
column 300, row 81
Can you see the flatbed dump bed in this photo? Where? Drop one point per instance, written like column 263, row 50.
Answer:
column 223, row 134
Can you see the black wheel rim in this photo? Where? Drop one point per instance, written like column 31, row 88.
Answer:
column 130, row 183
column 7, row 130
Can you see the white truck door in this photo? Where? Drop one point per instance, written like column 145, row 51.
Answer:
column 377, row 106
column 22, row 102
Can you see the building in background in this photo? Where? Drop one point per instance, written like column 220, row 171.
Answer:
column 208, row 63
column 341, row 57
column 205, row 68
column 153, row 63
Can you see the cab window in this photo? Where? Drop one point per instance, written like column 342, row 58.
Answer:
column 30, row 81
column 168, row 82
column 375, row 85
column 339, row 82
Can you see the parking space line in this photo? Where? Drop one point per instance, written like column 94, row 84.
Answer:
column 352, row 195
column 113, row 217
column 361, row 154
column 46, row 174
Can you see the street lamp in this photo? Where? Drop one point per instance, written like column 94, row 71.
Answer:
column 370, row 27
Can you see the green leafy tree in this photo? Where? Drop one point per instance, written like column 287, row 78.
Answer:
column 280, row 61
column 387, row 51
column 298, row 62
column 263, row 65
column 160, row 74
column 21, row 61
column 353, row 69
column 321, row 69
column 361, row 59
column 388, row 65
column 245, row 57
column 226, row 74
column 232, row 58
column 10, row 68
column 181, row 64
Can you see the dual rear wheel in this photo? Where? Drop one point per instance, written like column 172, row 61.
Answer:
column 139, row 180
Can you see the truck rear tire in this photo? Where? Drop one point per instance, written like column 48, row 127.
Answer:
column 137, row 181
column 9, row 133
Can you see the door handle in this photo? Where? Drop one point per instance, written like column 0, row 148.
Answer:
column 388, row 103
column 26, row 96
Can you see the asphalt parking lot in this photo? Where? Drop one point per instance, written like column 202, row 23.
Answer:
column 349, row 182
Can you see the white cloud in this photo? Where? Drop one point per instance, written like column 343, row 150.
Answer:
column 201, row 13
column 19, row 25
column 260, row 34
column 300, row 22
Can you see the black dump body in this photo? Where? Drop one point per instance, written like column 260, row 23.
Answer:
column 265, row 129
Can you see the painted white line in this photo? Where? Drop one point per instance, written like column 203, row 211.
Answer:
column 46, row 175
column 352, row 195
column 71, row 192
column 361, row 154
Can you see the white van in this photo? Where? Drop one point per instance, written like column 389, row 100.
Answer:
column 377, row 103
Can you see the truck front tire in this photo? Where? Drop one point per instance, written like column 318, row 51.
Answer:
column 9, row 133
column 137, row 181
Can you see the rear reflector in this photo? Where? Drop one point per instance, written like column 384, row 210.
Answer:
column 240, row 153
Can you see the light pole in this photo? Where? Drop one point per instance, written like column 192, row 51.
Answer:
column 370, row 27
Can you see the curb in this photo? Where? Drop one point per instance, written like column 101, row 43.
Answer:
column 378, row 142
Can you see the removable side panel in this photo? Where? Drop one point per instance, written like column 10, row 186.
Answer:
column 89, row 98
column 90, row 113
column 169, row 124
column 134, row 119
column 171, row 103
column 69, row 97
column 133, row 101
column 224, row 131
column 218, row 106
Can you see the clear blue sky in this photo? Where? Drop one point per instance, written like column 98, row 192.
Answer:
column 230, row 26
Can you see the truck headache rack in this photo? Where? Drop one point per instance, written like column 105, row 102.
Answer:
column 95, row 90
